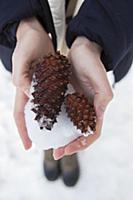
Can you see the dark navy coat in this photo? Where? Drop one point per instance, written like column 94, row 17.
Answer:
column 110, row 24
column 11, row 13
column 107, row 22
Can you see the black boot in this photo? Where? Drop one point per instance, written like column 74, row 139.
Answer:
column 51, row 166
column 70, row 169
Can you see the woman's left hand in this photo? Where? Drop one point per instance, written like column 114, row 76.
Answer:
column 90, row 75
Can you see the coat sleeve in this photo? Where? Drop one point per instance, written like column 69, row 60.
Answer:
column 108, row 23
column 13, row 11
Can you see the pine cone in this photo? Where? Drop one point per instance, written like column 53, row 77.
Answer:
column 50, row 79
column 81, row 112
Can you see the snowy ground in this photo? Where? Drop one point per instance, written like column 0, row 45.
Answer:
column 106, row 167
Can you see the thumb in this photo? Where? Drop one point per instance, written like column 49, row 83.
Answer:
column 100, row 103
column 22, row 82
column 25, row 86
column 20, row 71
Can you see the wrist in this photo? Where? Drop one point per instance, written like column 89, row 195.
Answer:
column 28, row 25
column 84, row 42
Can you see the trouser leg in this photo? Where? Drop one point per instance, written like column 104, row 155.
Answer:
column 6, row 57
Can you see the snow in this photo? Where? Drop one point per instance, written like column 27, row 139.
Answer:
column 106, row 166
column 63, row 132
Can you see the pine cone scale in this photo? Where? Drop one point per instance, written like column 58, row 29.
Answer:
column 81, row 112
column 50, row 80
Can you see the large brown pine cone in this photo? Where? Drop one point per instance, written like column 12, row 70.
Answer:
column 81, row 112
column 50, row 79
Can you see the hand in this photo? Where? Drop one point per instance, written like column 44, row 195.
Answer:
column 90, row 77
column 32, row 43
column 20, row 102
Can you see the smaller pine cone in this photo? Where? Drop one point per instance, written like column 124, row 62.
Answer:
column 50, row 79
column 81, row 112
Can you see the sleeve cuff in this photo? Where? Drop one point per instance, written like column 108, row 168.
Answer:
column 18, row 10
column 15, row 12
column 102, row 27
column 8, row 37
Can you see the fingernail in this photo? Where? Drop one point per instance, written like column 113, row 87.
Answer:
column 83, row 142
column 27, row 92
column 59, row 154
column 57, row 157
column 69, row 152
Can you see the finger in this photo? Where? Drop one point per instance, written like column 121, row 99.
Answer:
column 83, row 142
column 58, row 153
column 20, row 74
column 21, row 81
column 101, row 101
column 20, row 101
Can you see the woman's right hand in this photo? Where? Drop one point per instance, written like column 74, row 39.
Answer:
column 32, row 43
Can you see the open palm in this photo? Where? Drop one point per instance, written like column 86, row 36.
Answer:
column 89, row 77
